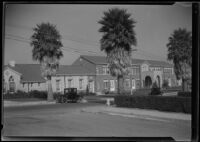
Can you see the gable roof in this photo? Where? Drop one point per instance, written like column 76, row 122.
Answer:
column 32, row 72
column 74, row 70
column 29, row 72
column 102, row 60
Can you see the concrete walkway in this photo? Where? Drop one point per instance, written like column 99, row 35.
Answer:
column 134, row 112
column 18, row 103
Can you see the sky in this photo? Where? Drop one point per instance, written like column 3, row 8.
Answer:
column 78, row 26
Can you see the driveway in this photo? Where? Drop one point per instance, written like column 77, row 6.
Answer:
column 69, row 120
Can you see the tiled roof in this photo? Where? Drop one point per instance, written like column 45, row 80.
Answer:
column 102, row 60
column 74, row 70
column 32, row 72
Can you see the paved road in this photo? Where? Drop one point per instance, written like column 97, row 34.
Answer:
column 69, row 120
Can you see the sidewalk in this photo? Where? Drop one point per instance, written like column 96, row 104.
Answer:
column 18, row 103
column 134, row 112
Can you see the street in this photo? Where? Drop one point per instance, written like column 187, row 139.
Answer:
column 69, row 120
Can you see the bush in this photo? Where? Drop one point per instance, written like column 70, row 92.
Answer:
column 162, row 103
column 38, row 94
column 142, row 92
column 184, row 94
column 165, row 84
column 18, row 94
column 155, row 90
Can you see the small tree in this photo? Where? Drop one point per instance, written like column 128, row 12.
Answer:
column 155, row 90
column 165, row 84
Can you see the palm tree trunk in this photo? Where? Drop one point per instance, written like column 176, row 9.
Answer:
column 50, row 91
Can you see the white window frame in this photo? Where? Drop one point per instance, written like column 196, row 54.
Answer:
column 58, row 85
column 80, row 83
column 133, row 84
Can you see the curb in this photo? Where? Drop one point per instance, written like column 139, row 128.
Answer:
column 14, row 104
column 145, row 114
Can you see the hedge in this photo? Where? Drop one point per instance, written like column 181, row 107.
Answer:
column 184, row 94
column 21, row 94
column 162, row 103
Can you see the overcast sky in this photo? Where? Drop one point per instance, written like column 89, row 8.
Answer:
column 78, row 25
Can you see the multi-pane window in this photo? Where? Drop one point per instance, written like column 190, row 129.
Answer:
column 81, row 83
column 133, row 71
column 106, row 70
column 69, row 83
column 127, row 82
column 106, row 84
column 57, row 85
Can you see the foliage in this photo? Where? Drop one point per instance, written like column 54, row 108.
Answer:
column 142, row 92
column 22, row 94
column 46, row 43
column 38, row 94
column 184, row 94
column 118, row 37
column 155, row 90
column 162, row 103
column 165, row 84
column 180, row 52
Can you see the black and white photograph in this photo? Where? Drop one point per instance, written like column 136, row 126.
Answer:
column 97, row 71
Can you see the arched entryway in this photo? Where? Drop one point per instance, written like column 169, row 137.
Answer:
column 11, row 84
column 158, row 80
column 148, row 82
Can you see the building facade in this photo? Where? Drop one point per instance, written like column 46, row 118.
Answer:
column 90, row 72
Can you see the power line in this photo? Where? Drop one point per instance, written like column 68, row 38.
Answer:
column 28, row 41
column 68, row 37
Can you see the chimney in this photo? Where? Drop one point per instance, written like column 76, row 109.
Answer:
column 12, row 63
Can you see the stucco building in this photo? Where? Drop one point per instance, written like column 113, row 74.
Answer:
column 88, row 71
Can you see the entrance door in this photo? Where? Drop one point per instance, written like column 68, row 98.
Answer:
column 148, row 82
column 91, row 86
column 133, row 84
column 112, row 85
column 11, row 84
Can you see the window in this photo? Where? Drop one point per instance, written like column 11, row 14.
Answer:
column 38, row 84
column 81, row 83
column 127, row 82
column 11, row 84
column 31, row 84
column 106, row 70
column 133, row 83
column 106, row 84
column 69, row 83
column 57, row 85
column 23, row 85
column 133, row 71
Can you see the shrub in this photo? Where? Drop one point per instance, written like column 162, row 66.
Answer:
column 184, row 94
column 165, row 84
column 18, row 94
column 38, row 94
column 142, row 92
column 162, row 103
column 155, row 90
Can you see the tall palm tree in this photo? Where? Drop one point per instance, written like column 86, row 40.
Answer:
column 46, row 43
column 117, row 39
column 180, row 52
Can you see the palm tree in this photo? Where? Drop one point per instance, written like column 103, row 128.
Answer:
column 46, row 43
column 117, row 39
column 180, row 52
